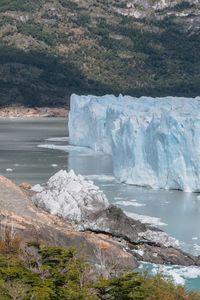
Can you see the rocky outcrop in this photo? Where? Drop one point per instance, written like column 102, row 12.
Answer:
column 71, row 197
column 163, row 255
column 33, row 224
column 160, row 9
column 79, row 201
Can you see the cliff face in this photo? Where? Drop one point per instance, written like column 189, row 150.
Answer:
column 51, row 48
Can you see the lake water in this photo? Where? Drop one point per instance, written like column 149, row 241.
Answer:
column 21, row 160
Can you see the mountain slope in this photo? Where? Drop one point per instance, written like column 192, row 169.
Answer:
column 49, row 49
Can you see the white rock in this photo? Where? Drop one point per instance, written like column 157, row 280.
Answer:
column 71, row 197
column 160, row 237
column 37, row 188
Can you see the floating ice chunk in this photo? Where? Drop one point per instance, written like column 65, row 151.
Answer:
column 58, row 139
column 70, row 148
column 130, row 203
column 9, row 170
column 197, row 248
column 194, row 238
column 178, row 274
column 153, row 142
column 54, row 165
column 100, row 177
column 146, row 219
column 121, row 198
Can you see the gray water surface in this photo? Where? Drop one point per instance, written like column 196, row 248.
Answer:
column 18, row 148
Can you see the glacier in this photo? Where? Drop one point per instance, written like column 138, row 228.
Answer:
column 153, row 142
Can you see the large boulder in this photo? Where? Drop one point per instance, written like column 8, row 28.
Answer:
column 71, row 197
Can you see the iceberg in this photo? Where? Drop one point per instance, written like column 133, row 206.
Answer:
column 153, row 142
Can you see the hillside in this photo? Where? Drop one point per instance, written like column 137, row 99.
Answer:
column 51, row 48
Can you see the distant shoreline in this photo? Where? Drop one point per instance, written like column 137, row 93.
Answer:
column 31, row 112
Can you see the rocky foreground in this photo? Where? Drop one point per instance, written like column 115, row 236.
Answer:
column 34, row 224
column 104, row 235
column 80, row 202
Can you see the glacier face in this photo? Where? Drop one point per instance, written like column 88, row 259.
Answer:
column 153, row 142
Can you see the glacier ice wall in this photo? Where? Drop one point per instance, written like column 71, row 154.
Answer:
column 153, row 142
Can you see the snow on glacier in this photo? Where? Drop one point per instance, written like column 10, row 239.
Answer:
column 153, row 142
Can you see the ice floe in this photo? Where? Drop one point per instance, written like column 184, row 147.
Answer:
column 130, row 203
column 178, row 274
column 145, row 219
column 70, row 148
column 58, row 139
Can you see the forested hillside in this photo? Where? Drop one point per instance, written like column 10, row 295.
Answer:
column 52, row 48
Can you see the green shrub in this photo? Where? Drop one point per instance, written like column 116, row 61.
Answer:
column 40, row 272
column 136, row 286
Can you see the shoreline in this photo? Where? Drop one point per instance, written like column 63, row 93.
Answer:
column 33, row 112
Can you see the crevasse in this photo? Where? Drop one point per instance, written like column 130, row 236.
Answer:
column 153, row 142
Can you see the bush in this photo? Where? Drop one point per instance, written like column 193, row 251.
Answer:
column 40, row 272
column 138, row 287
column 44, row 273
